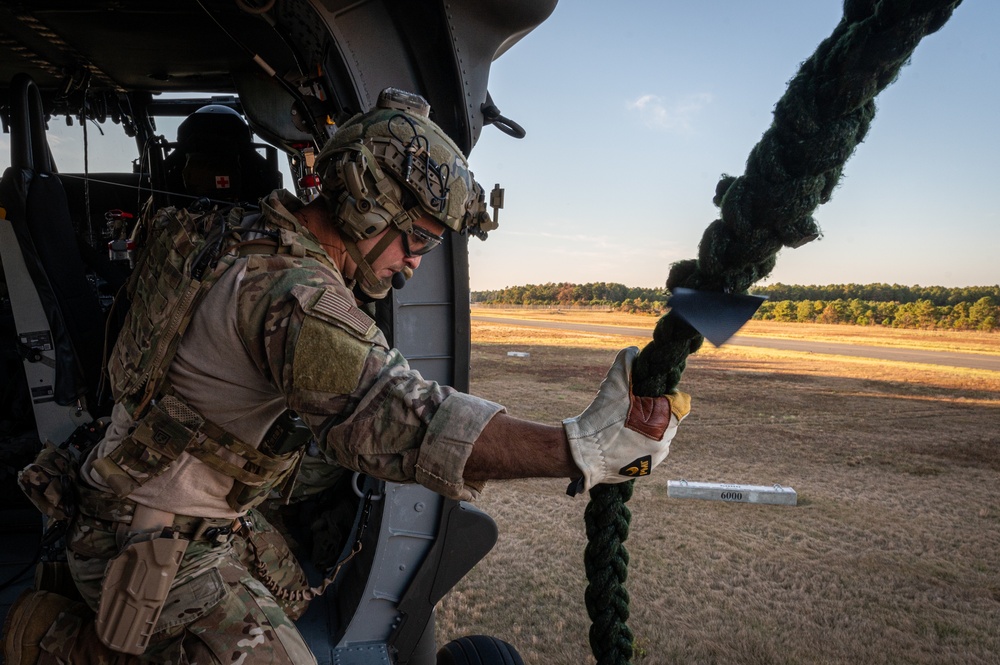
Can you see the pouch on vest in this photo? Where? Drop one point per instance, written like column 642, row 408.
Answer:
column 284, row 444
column 158, row 440
column 48, row 480
column 171, row 427
column 262, row 475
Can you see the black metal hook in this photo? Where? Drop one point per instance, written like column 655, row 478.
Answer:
column 492, row 116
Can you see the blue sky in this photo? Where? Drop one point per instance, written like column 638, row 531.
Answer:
column 634, row 109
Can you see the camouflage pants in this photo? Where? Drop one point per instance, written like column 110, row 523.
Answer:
column 216, row 611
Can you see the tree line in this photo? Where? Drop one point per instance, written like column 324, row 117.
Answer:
column 937, row 295
column 598, row 294
column 980, row 315
column 896, row 306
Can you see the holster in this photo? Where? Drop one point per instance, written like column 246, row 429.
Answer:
column 136, row 584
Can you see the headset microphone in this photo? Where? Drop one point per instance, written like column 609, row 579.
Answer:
column 399, row 278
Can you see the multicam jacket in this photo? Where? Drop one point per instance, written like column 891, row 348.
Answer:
column 281, row 331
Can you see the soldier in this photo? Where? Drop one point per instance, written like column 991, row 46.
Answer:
column 236, row 322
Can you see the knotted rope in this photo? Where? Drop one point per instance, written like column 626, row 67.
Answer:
column 819, row 121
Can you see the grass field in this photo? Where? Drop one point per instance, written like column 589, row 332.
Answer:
column 941, row 340
column 891, row 556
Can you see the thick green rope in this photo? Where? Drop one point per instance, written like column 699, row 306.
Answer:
column 819, row 121
column 606, row 561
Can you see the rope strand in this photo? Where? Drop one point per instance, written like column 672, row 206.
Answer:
column 819, row 121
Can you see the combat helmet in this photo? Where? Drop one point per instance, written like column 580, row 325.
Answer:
column 390, row 166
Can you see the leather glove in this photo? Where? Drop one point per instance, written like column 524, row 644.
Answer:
column 621, row 436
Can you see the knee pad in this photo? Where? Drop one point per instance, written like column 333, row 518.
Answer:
column 30, row 619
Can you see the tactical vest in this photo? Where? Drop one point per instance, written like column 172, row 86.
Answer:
column 185, row 254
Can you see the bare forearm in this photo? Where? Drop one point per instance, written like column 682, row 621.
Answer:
column 512, row 448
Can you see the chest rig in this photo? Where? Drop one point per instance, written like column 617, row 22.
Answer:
column 185, row 254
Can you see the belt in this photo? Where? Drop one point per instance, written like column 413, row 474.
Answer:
column 105, row 507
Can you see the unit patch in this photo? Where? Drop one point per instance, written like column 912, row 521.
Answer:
column 328, row 358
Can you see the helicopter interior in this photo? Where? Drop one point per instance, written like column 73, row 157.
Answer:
column 287, row 71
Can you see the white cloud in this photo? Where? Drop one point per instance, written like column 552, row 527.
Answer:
column 673, row 117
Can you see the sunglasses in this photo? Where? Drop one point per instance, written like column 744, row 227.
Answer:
column 419, row 242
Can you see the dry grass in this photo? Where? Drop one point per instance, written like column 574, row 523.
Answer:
column 941, row 340
column 891, row 555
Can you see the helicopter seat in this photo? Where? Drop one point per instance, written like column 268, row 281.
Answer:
column 215, row 158
column 57, row 315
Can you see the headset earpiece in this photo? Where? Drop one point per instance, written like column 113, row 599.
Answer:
column 359, row 218
column 356, row 211
column 352, row 174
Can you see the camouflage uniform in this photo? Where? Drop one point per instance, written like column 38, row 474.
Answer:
column 275, row 332
column 217, row 611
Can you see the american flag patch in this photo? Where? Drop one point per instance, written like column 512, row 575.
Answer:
column 336, row 307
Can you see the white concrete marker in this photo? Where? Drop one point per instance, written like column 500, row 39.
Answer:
column 771, row 494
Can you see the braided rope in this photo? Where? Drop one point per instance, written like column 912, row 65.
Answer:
column 819, row 121
column 606, row 562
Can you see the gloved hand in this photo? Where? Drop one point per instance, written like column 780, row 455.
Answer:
column 621, row 436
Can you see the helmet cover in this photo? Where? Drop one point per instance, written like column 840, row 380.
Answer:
column 398, row 138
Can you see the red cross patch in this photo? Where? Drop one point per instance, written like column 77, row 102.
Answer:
column 222, row 182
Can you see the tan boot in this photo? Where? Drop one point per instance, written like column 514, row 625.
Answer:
column 30, row 617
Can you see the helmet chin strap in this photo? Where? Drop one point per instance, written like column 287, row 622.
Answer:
column 368, row 286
